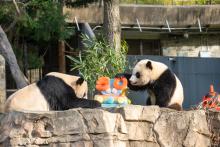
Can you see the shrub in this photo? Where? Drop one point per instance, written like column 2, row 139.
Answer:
column 99, row 59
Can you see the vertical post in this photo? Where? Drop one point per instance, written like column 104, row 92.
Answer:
column 2, row 83
column 61, row 48
column 61, row 57
column 141, row 47
column 25, row 58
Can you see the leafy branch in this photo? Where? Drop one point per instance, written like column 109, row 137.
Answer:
column 99, row 59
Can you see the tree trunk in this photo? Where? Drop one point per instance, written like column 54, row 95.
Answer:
column 61, row 57
column 7, row 52
column 25, row 58
column 61, row 48
column 112, row 24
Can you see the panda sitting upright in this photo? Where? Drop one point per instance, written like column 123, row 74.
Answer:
column 56, row 91
column 163, row 86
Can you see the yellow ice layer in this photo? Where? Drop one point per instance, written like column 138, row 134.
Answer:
column 118, row 99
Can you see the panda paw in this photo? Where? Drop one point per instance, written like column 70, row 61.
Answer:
column 123, row 75
column 120, row 75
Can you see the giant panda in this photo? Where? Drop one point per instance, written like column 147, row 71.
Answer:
column 56, row 91
column 163, row 86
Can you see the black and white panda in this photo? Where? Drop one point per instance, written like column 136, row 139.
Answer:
column 163, row 86
column 56, row 91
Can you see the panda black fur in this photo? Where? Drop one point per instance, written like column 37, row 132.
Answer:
column 163, row 87
column 56, row 91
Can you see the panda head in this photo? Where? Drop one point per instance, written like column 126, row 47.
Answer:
column 77, row 83
column 80, row 87
column 146, row 71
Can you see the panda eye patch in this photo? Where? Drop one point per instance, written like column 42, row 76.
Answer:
column 137, row 75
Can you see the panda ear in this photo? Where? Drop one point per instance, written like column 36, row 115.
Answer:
column 79, row 81
column 149, row 65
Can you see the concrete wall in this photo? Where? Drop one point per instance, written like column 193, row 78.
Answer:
column 151, row 15
column 195, row 46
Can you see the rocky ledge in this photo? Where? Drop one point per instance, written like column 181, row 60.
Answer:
column 130, row 126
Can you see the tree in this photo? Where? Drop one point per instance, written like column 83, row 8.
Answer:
column 112, row 23
column 61, row 48
column 8, row 54
column 39, row 22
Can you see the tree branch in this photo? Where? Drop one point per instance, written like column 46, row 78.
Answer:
column 7, row 52
column 17, row 8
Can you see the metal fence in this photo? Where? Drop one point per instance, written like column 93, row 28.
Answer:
column 33, row 76
column 196, row 75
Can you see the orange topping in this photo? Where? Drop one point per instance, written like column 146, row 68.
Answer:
column 103, row 83
column 119, row 86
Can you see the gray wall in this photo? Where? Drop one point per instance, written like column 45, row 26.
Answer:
column 196, row 74
column 150, row 15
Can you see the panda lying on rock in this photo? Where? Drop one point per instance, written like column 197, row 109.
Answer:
column 163, row 86
column 56, row 91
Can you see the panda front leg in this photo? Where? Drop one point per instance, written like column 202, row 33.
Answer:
column 127, row 76
column 83, row 103
column 148, row 101
column 162, row 98
column 123, row 75
column 130, row 86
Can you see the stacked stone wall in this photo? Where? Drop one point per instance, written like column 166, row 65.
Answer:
column 130, row 126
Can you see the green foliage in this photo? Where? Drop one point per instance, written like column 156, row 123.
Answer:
column 6, row 14
column 33, row 60
column 44, row 21
column 99, row 59
column 40, row 20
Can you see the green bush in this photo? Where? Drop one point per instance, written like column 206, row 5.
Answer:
column 34, row 61
column 99, row 59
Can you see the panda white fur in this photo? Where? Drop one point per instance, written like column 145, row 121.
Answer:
column 56, row 91
column 163, row 86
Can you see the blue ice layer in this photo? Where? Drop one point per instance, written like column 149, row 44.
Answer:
column 113, row 105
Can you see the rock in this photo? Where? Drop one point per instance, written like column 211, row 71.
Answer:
column 180, row 128
column 137, row 112
column 194, row 139
column 2, row 84
column 143, row 144
column 82, row 144
column 213, row 121
column 128, row 126
column 110, row 143
column 100, row 121
column 141, row 131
